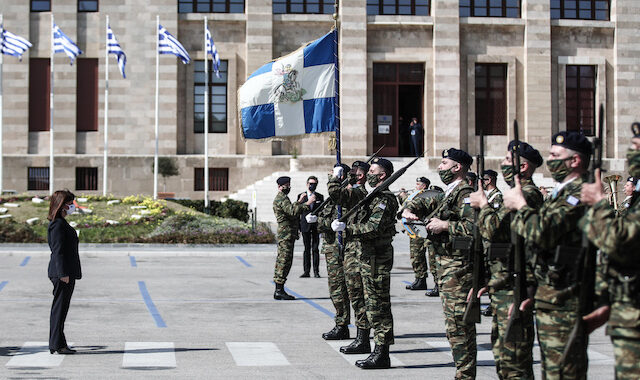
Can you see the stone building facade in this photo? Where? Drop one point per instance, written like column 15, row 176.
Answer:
column 534, row 50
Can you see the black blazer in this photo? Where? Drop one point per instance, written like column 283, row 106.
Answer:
column 63, row 242
column 304, row 226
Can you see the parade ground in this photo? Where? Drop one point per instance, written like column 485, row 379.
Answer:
column 207, row 312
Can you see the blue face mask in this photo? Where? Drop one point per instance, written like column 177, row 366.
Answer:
column 71, row 209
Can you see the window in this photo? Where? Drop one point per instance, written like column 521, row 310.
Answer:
column 303, row 6
column 580, row 9
column 87, row 95
column 87, row 5
column 490, row 8
column 210, row 6
column 491, row 98
column 398, row 7
column 217, row 98
column 39, row 82
column 40, row 5
column 86, row 178
column 38, row 178
column 581, row 98
column 218, row 179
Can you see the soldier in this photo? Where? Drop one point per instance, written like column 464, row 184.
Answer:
column 628, row 189
column 417, row 246
column 618, row 236
column 554, row 233
column 513, row 360
column 450, row 237
column 334, row 255
column 348, row 197
column 288, row 218
column 374, row 227
column 489, row 180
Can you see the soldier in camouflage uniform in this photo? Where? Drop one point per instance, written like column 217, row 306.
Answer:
column 489, row 179
column 450, row 236
column 513, row 360
column 348, row 197
column 628, row 190
column 374, row 227
column 417, row 245
column 618, row 236
column 554, row 233
column 288, row 218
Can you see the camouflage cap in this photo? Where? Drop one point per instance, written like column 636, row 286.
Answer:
column 386, row 164
column 458, row 155
column 527, row 151
column 573, row 140
column 283, row 180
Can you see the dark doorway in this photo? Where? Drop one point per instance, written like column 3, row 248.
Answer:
column 397, row 98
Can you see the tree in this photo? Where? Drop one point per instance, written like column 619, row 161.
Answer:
column 167, row 167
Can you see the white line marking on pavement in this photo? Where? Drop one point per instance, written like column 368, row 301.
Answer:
column 256, row 354
column 336, row 344
column 149, row 355
column 484, row 354
column 35, row 355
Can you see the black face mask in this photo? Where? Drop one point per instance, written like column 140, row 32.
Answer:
column 286, row 190
column 313, row 186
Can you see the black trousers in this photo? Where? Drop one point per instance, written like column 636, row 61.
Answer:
column 311, row 241
column 59, row 308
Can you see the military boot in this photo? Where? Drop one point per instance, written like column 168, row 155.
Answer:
column 337, row 333
column 360, row 345
column 433, row 292
column 418, row 284
column 280, row 294
column 379, row 358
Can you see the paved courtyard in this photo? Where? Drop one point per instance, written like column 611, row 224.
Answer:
column 208, row 312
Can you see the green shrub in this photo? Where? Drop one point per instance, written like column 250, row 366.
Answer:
column 13, row 232
column 228, row 209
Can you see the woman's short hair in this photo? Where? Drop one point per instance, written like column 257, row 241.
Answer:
column 57, row 202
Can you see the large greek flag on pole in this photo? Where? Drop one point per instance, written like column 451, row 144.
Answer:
column 168, row 44
column 293, row 95
column 63, row 44
column 113, row 47
column 12, row 44
column 211, row 50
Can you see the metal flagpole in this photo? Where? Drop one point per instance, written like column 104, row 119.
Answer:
column 206, row 119
column 51, row 176
column 155, row 158
column 1, row 104
column 336, row 89
column 106, row 106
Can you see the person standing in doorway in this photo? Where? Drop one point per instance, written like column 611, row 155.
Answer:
column 310, row 236
column 415, row 130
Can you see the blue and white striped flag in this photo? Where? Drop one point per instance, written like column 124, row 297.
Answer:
column 211, row 50
column 63, row 44
column 113, row 47
column 12, row 44
column 168, row 44
column 293, row 95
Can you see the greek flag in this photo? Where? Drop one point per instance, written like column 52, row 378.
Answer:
column 63, row 44
column 12, row 44
column 211, row 49
column 168, row 44
column 113, row 47
column 292, row 95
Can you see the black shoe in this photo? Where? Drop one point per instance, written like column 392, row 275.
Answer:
column 379, row 359
column 316, row 275
column 360, row 345
column 433, row 292
column 304, row 275
column 418, row 284
column 280, row 294
column 64, row 351
column 337, row 333
column 487, row 311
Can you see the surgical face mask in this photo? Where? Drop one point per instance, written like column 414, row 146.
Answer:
column 446, row 175
column 373, row 179
column 559, row 171
column 286, row 190
column 508, row 174
column 71, row 209
column 313, row 186
column 633, row 161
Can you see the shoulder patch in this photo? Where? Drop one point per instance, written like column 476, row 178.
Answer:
column 382, row 206
column 467, row 200
column 496, row 205
column 573, row 201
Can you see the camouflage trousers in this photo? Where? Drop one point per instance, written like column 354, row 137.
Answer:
column 417, row 251
column 354, row 283
column 627, row 354
column 513, row 360
column 433, row 262
column 283, row 260
column 337, row 285
column 375, row 268
column 624, row 329
column 554, row 327
column 454, row 281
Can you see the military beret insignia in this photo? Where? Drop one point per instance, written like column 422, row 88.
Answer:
column 559, row 139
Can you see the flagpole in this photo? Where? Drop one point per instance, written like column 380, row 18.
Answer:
column 155, row 158
column 1, row 103
column 206, row 119
column 336, row 89
column 106, row 107
column 51, row 176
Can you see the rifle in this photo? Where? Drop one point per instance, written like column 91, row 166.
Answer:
column 343, row 184
column 579, row 339
column 472, row 312
column 515, row 331
column 382, row 187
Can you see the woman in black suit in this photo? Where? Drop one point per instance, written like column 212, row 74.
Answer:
column 64, row 267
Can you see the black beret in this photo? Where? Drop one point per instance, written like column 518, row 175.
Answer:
column 527, row 151
column 633, row 180
column 362, row 165
column 635, row 129
column 491, row 173
column 423, row 180
column 472, row 176
column 458, row 155
column 283, row 180
column 386, row 164
column 572, row 140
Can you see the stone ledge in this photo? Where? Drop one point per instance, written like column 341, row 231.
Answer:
column 593, row 24
column 398, row 20
column 303, row 18
column 230, row 17
column 492, row 21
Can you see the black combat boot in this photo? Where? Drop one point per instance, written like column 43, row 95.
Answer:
column 418, row 284
column 280, row 294
column 379, row 358
column 337, row 333
column 360, row 345
column 433, row 292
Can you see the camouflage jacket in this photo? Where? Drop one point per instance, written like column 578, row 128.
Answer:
column 554, row 224
column 346, row 197
column 495, row 198
column 375, row 220
column 287, row 215
column 327, row 215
